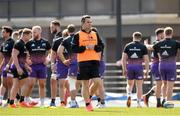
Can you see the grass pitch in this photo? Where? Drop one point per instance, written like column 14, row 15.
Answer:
column 109, row 111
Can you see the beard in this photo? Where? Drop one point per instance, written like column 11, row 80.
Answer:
column 36, row 37
column 54, row 31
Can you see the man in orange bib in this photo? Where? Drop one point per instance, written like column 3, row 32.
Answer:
column 87, row 44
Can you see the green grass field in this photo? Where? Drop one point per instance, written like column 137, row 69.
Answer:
column 110, row 111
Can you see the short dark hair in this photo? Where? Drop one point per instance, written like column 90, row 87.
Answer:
column 168, row 31
column 71, row 28
column 84, row 17
column 8, row 29
column 65, row 33
column 20, row 31
column 26, row 31
column 56, row 23
column 137, row 35
column 159, row 30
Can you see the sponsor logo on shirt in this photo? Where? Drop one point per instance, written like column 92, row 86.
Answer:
column 166, row 46
column 33, row 45
column 165, row 53
column 134, row 49
column 134, row 55
column 44, row 44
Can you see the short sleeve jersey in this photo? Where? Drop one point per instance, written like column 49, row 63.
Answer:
column 56, row 43
column 21, row 47
column 6, row 49
column 167, row 48
column 135, row 52
column 38, row 50
column 67, row 43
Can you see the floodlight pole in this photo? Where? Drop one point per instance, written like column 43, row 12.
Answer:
column 119, row 39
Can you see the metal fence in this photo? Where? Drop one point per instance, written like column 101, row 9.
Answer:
column 60, row 8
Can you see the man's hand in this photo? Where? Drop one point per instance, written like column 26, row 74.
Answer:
column 19, row 70
column 47, row 61
column 124, row 72
column 29, row 69
column 90, row 47
column 7, row 67
column 118, row 63
column 29, row 62
column 146, row 74
column 53, row 67
column 0, row 68
column 67, row 62
column 146, row 42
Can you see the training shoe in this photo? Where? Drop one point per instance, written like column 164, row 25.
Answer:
column 33, row 103
column 12, row 106
column 101, row 105
column 52, row 104
column 139, row 106
column 16, row 101
column 163, row 102
column 89, row 107
column 98, row 104
column 24, row 104
column 129, row 102
column 146, row 100
column 73, row 104
column 158, row 105
column 5, row 105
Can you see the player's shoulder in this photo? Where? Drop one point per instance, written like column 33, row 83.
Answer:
column 77, row 33
column 19, row 43
column 141, row 44
column 44, row 40
column 66, row 38
column 31, row 40
column 11, row 40
column 129, row 44
column 58, row 39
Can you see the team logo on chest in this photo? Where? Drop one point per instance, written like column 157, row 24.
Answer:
column 5, row 48
column 6, row 45
column 44, row 44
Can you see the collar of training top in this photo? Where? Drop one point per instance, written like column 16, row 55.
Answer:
column 86, row 31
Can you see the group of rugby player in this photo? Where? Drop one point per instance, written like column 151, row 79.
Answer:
column 163, row 67
column 76, row 59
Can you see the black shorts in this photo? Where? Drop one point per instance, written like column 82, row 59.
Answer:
column 15, row 73
column 88, row 70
